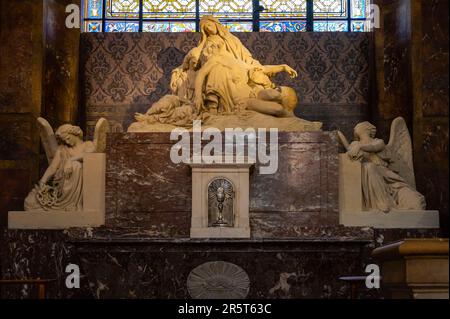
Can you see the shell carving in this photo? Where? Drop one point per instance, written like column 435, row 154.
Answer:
column 218, row 280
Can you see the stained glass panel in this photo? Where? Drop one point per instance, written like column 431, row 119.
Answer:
column 330, row 26
column 174, row 9
column 237, row 15
column 283, row 8
column 93, row 9
column 121, row 26
column 239, row 26
column 93, row 26
column 360, row 26
column 230, row 9
column 359, row 8
column 122, row 8
column 330, row 9
column 282, row 26
column 168, row 26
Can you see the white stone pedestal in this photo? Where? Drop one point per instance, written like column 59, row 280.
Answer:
column 351, row 211
column 93, row 214
column 202, row 175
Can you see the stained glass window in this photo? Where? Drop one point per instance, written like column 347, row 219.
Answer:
column 282, row 26
column 239, row 26
column 340, row 15
column 228, row 9
column 330, row 9
column 179, row 9
column 121, row 26
column 330, row 26
column 283, row 9
column 237, row 15
column 122, row 9
column 169, row 26
column 359, row 9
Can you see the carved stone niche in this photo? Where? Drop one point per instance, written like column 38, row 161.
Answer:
column 220, row 200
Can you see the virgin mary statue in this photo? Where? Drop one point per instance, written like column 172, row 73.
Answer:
column 210, row 26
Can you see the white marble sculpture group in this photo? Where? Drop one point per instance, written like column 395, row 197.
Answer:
column 222, row 84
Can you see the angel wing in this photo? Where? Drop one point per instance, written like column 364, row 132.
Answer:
column 101, row 129
column 343, row 140
column 48, row 138
column 400, row 150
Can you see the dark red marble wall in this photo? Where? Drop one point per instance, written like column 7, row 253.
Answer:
column 430, row 102
column 21, row 63
column 61, row 64
column 38, row 77
column 411, row 58
column 392, row 65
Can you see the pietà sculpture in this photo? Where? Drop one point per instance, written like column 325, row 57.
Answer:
column 222, row 84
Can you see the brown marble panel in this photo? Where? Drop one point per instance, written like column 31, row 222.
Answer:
column 159, row 269
column 26, row 254
column 411, row 58
column 17, row 137
column 431, row 161
column 145, row 189
column 61, row 64
column 14, row 189
column 393, row 95
column 16, row 51
column 126, row 263
column 289, row 189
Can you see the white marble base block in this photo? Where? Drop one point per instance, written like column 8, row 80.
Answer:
column 93, row 214
column 202, row 175
column 351, row 212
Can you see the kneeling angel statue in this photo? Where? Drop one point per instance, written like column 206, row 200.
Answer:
column 387, row 173
column 61, row 186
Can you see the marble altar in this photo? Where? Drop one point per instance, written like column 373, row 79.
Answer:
column 143, row 250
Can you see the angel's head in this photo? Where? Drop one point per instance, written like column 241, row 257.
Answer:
column 69, row 135
column 364, row 129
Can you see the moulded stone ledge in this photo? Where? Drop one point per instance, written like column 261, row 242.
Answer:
column 54, row 219
column 393, row 219
column 220, row 232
